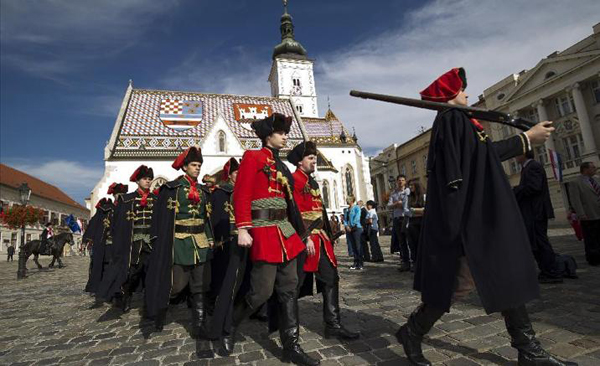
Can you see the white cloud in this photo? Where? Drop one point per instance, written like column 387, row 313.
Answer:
column 76, row 179
column 491, row 39
column 52, row 38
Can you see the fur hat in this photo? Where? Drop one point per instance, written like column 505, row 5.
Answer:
column 142, row 172
column 231, row 166
column 117, row 188
column 300, row 151
column 276, row 122
column 446, row 87
column 192, row 154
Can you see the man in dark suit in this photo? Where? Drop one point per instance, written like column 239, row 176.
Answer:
column 533, row 197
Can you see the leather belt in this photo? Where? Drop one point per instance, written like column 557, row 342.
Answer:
column 307, row 223
column 195, row 229
column 269, row 214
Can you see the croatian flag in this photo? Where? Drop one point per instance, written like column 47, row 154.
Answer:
column 556, row 165
column 180, row 115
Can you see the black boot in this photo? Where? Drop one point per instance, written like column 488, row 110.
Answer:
column 160, row 319
column 411, row 334
column 523, row 339
column 289, row 332
column 198, row 316
column 126, row 301
column 241, row 311
column 331, row 315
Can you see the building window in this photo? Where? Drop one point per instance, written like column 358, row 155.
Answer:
column 532, row 115
column 541, row 155
column 27, row 238
column 573, row 147
column 549, row 74
column 325, row 194
column 222, row 141
column 403, row 170
column 299, row 108
column 296, row 81
column 414, row 166
column 596, row 91
column 565, row 105
column 514, row 166
column 425, row 162
column 54, row 218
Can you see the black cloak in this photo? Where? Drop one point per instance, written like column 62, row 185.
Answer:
column 471, row 211
column 96, row 234
column 122, row 229
column 159, row 276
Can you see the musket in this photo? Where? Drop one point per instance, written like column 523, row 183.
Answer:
column 491, row 116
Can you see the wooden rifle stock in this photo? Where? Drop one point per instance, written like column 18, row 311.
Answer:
column 491, row 116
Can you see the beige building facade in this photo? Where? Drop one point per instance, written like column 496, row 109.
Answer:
column 564, row 87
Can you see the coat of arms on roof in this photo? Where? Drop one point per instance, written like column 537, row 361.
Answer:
column 245, row 114
column 180, row 115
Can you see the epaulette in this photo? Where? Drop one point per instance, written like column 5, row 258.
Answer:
column 126, row 198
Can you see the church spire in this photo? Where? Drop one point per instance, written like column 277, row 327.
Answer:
column 288, row 46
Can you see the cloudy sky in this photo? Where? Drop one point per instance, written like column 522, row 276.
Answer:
column 65, row 64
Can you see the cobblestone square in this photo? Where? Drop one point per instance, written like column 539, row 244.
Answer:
column 47, row 319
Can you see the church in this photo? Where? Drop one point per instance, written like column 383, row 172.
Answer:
column 154, row 126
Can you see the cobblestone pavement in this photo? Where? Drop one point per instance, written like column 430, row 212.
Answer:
column 48, row 319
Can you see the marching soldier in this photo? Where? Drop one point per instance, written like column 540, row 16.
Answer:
column 132, row 222
column 473, row 228
column 321, row 259
column 99, row 233
column 181, row 239
column 268, row 223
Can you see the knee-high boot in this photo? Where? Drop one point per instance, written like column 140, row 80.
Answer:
column 331, row 314
column 198, row 312
column 523, row 339
column 411, row 334
column 241, row 310
column 289, row 332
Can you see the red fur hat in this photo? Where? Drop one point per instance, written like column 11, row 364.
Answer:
column 446, row 87
column 231, row 166
column 117, row 188
column 141, row 172
column 193, row 153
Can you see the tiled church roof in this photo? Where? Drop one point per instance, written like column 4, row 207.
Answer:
column 143, row 134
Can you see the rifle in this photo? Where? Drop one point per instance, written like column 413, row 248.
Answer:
column 492, row 116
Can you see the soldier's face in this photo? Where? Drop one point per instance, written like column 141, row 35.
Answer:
column 233, row 176
column 193, row 169
column 277, row 140
column 461, row 99
column 308, row 164
column 144, row 183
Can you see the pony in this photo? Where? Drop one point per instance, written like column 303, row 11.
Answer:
column 33, row 247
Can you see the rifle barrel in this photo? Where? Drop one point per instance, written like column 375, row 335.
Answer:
column 492, row 116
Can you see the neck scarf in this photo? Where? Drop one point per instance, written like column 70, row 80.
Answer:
column 144, row 194
column 194, row 195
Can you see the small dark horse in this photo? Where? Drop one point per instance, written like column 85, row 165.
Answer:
column 33, row 247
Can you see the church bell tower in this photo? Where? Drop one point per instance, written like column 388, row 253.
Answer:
column 291, row 75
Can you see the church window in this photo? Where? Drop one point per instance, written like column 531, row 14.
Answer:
column 299, row 108
column 349, row 178
column 325, row 191
column 335, row 194
column 222, row 141
column 296, row 82
column 501, row 96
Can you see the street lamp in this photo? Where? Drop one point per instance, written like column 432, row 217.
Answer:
column 24, row 194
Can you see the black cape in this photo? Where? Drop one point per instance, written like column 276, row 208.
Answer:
column 471, row 211
column 122, row 229
column 96, row 234
column 159, row 276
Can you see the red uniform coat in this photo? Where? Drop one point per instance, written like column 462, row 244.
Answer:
column 258, row 178
column 310, row 204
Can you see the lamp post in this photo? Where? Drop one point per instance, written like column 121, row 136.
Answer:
column 24, row 193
